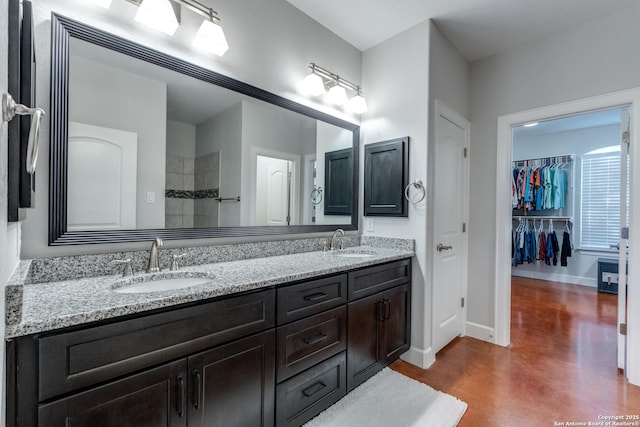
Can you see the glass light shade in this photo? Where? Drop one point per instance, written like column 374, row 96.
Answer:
column 103, row 3
column 313, row 85
column 358, row 104
column 337, row 95
column 158, row 14
column 210, row 37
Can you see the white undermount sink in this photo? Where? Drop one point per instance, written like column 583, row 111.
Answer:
column 160, row 282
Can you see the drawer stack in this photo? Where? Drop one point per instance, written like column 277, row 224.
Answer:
column 311, row 342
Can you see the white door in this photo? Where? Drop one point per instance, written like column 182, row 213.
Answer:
column 273, row 196
column 450, row 248
column 622, row 246
column 101, row 178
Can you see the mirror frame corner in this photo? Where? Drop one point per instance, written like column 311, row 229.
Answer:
column 62, row 28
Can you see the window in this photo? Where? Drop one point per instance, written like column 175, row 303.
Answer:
column 600, row 210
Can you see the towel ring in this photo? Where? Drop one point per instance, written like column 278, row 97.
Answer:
column 419, row 186
column 316, row 196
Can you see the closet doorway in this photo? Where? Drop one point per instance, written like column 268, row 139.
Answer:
column 631, row 316
column 570, row 201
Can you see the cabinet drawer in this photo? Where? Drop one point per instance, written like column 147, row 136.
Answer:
column 77, row 359
column 369, row 281
column 311, row 392
column 305, row 299
column 306, row 342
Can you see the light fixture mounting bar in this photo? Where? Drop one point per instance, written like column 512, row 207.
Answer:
column 323, row 72
column 201, row 9
column 193, row 5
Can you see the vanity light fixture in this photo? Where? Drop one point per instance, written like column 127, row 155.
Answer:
column 158, row 14
column 210, row 36
column 161, row 15
column 358, row 104
column 315, row 84
column 337, row 94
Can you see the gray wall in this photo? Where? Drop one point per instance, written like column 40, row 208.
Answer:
column 9, row 232
column 591, row 59
column 271, row 44
column 109, row 97
column 403, row 76
column 223, row 133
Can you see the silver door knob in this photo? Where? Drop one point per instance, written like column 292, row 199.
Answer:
column 442, row 247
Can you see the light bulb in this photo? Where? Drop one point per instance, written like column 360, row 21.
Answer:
column 313, row 84
column 158, row 14
column 210, row 37
column 337, row 95
column 358, row 104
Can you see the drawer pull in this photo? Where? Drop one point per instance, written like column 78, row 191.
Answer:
column 180, row 396
column 310, row 391
column 315, row 339
column 315, row 297
column 196, row 389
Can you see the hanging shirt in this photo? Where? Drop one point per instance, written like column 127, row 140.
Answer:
column 560, row 188
column 566, row 248
column 548, row 189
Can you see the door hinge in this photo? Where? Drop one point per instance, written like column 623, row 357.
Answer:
column 623, row 329
column 464, row 227
column 464, row 152
column 626, row 137
column 462, row 302
column 624, row 232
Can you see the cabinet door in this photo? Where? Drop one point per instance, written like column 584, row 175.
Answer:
column 363, row 342
column 154, row 398
column 234, row 384
column 395, row 326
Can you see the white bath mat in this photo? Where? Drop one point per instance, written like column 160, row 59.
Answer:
column 390, row 399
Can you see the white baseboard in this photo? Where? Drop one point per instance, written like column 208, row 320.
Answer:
column 419, row 357
column 555, row 277
column 481, row 332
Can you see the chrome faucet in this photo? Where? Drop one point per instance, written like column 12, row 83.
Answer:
column 333, row 239
column 153, row 266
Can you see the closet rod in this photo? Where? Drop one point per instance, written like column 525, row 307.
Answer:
column 535, row 217
column 562, row 158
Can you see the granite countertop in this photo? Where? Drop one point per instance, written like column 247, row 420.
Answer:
column 59, row 304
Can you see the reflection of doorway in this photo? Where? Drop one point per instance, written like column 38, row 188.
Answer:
column 101, row 178
column 273, row 191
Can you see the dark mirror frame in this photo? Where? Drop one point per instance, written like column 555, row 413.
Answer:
column 61, row 29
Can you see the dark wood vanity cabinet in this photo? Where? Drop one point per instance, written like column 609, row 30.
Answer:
column 272, row 357
column 379, row 325
column 208, row 363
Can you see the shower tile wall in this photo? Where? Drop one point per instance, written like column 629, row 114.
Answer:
column 207, row 178
column 180, row 178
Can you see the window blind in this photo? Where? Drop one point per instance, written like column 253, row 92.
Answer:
column 600, row 201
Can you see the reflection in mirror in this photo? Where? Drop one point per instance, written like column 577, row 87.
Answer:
column 152, row 148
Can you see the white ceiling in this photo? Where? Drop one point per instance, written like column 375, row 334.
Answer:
column 478, row 28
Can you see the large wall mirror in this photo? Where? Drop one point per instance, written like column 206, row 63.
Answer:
column 144, row 144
